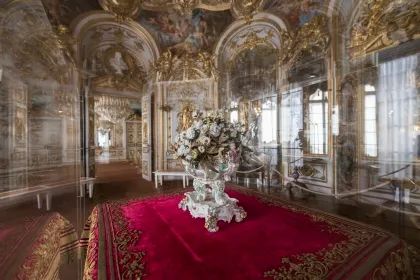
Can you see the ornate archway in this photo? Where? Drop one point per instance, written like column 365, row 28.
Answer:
column 117, row 58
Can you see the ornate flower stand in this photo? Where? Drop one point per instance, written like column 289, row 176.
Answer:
column 211, row 203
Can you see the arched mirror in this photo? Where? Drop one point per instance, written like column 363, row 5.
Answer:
column 252, row 93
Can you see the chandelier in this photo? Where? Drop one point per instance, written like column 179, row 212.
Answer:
column 112, row 109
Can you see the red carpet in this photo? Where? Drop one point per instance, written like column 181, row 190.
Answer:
column 33, row 248
column 152, row 238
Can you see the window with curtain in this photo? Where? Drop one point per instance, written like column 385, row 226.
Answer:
column 269, row 121
column 396, row 103
column 292, row 124
column 370, row 121
column 318, row 122
column 234, row 111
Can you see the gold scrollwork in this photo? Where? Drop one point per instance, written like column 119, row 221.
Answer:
column 122, row 9
column 313, row 37
column 252, row 40
column 384, row 23
column 121, row 70
column 186, row 6
column 246, row 8
column 185, row 119
column 186, row 66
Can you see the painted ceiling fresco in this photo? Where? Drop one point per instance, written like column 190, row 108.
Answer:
column 65, row 11
column 189, row 34
column 296, row 12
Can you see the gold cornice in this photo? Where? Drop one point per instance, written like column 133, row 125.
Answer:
column 186, row 6
column 122, row 9
column 313, row 37
column 190, row 66
column 88, row 22
column 246, row 9
column 384, row 23
column 252, row 40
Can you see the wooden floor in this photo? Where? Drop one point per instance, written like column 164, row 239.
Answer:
column 122, row 180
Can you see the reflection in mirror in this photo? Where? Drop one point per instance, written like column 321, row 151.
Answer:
column 253, row 96
column 317, row 121
column 370, row 121
column 396, row 102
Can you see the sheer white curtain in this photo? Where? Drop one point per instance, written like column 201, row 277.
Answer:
column 292, row 123
column 396, row 99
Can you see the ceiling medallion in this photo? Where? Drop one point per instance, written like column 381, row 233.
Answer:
column 122, row 9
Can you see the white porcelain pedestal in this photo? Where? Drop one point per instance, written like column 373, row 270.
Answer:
column 212, row 204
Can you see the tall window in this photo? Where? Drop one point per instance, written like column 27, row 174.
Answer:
column 292, row 124
column 234, row 111
column 370, row 129
column 318, row 122
column 269, row 121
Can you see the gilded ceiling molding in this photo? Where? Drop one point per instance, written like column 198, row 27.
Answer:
column 170, row 67
column 264, row 29
column 312, row 38
column 252, row 40
column 92, row 20
column 246, row 8
column 115, row 55
column 384, row 23
column 120, row 70
column 41, row 53
column 186, row 6
column 121, row 9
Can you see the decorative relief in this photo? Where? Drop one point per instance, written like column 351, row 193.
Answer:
column 310, row 39
column 36, row 50
column 246, row 8
column 185, row 118
column 384, row 23
column 314, row 169
column 20, row 127
column 119, row 69
column 46, row 49
column 122, row 9
column 185, row 67
column 251, row 40
column 186, row 6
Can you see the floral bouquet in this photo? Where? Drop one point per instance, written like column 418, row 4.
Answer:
column 211, row 142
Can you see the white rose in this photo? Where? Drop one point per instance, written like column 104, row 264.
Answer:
column 191, row 133
column 214, row 130
column 205, row 128
column 198, row 124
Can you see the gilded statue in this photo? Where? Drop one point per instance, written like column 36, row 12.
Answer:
column 185, row 117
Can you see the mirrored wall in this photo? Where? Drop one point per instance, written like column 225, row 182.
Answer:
column 333, row 103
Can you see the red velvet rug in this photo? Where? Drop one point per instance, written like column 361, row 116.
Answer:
column 34, row 247
column 153, row 239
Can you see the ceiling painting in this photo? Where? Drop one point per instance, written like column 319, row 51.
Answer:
column 185, row 34
column 297, row 12
column 65, row 11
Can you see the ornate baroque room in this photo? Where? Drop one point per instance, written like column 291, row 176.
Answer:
column 209, row 139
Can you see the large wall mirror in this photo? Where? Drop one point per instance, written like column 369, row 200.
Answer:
column 252, row 91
